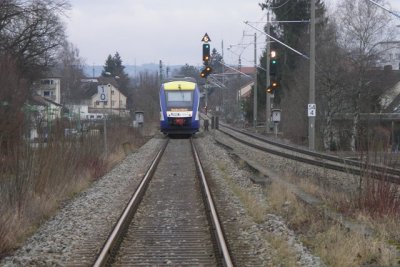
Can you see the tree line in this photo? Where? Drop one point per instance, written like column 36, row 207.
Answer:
column 347, row 43
column 32, row 39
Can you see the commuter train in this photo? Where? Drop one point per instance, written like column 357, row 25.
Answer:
column 179, row 103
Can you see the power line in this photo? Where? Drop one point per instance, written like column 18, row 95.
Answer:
column 391, row 12
column 273, row 38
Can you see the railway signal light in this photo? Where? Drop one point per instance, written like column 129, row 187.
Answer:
column 273, row 63
column 272, row 87
column 206, row 56
column 205, row 72
column 206, row 53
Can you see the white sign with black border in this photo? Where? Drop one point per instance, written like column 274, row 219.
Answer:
column 312, row 110
column 276, row 115
column 102, row 92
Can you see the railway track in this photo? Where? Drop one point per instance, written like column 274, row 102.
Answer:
column 170, row 219
column 310, row 157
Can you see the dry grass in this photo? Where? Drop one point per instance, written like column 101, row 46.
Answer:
column 340, row 247
column 37, row 180
column 335, row 245
column 253, row 207
column 284, row 255
column 280, row 201
column 376, row 206
column 283, row 202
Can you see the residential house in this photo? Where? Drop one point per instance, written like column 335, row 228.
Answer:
column 245, row 91
column 102, row 95
column 41, row 112
column 384, row 120
column 49, row 88
column 247, row 71
column 389, row 54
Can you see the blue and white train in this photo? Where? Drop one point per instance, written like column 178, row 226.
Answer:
column 179, row 103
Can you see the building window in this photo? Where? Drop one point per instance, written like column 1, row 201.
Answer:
column 97, row 103
column 112, row 103
column 46, row 93
column 112, row 92
column 46, row 81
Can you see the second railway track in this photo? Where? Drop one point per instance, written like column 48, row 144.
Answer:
column 171, row 226
column 311, row 157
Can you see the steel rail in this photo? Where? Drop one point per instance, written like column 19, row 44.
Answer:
column 220, row 239
column 350, row 162
column 390, row 174
column 123, row 221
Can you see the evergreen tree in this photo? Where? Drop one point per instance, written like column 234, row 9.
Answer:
column 113, row 68
column 292, row 74
column 189, row 71
column 216, row 60
column 109, row 67
column 293, row 34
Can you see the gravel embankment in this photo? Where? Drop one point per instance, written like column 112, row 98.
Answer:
column 244, row 229
column 77, row 231
column 83, row 223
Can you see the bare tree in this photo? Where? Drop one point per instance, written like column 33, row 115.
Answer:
column 146, row 95
column 362, row 26
column 331, row 82
column 70, row 65
column 31, row 31
column 30, row 34
column 13, row 94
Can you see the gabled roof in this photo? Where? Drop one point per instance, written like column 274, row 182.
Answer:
column 246, row 70
column 388, row 81
column 42, row 101
column 89, row 86
column 107, row 80
column 245, row 91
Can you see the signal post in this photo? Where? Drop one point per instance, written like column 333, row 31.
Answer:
column 206, row 62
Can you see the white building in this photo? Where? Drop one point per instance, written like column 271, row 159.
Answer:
column 389, row 54
column 49, row 88
column 104, row 97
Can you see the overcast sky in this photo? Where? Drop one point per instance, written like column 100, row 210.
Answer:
column 146, row 31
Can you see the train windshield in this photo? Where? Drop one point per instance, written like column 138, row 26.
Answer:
column 179, row 99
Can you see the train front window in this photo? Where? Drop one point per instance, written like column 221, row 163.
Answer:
column 179, row 99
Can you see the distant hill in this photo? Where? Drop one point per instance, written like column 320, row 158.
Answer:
column 132, row 70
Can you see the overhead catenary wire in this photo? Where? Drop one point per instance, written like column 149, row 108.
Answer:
column 273, row 38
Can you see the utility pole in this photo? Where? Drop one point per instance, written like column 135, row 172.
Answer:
column 268, row 78
column 311, row 103
column 239, row 78
column 255, row 83
column 161, row 71
column 223, row 67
